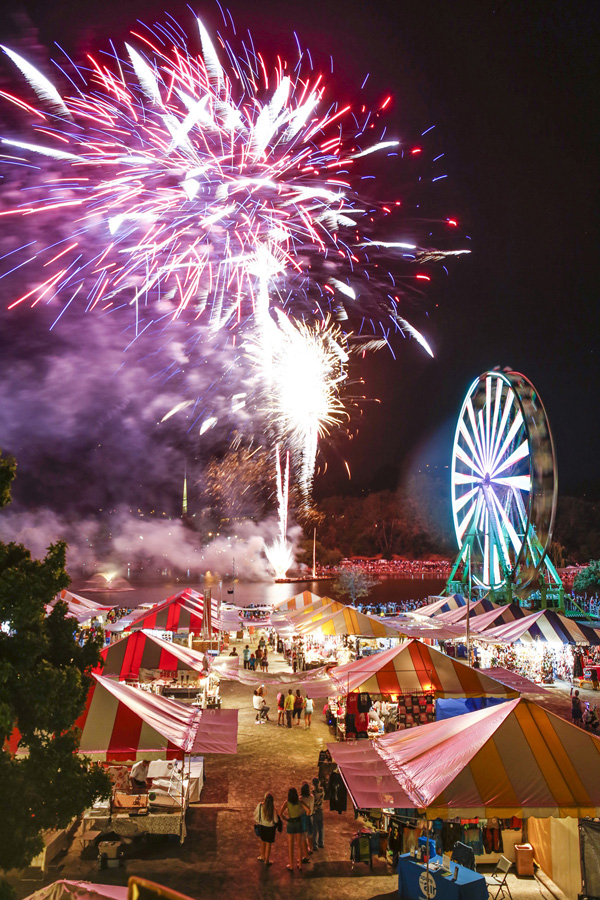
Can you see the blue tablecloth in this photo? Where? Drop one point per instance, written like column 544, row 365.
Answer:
column 413, row 884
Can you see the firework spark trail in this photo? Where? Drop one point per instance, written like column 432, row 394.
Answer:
column 216, row 196
column 280, row 553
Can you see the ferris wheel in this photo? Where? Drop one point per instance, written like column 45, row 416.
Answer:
column 504, row 486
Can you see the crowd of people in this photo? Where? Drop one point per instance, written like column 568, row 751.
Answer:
column 433, row 568
column 302, row 814
column 391, row 609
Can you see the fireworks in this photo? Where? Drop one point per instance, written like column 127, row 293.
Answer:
column 280, row 553
column 220, row 197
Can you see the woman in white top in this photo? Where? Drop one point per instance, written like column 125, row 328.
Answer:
column 308, row 711
column 267, row 820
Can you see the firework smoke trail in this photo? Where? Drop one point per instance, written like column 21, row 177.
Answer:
column 208, row 196
column 280, row 553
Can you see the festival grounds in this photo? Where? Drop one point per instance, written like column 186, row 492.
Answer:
column 218, row 858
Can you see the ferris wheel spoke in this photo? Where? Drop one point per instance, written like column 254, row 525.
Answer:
column 512, row 433
column 464, row 478
column 482, row 438
column 488, row 411
column 497, row 404
column 518, row 482
column 508, row 403
column 508, row 526
column 496, row 565
column 471, row 463
column 500, row 538
column 486, row 547
column 520, row 453
column 465, row 498
column 469, row 442
column 475, row 430
column 473, row 511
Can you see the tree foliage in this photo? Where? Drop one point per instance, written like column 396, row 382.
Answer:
column 588, row 581
column 43, row 687
column 354, row 583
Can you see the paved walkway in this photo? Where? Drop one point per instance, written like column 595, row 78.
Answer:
column 218, row 858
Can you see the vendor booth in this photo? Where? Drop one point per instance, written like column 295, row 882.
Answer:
column 405, row 687
column 475, row 778
column 122, row 724
column 168, row 668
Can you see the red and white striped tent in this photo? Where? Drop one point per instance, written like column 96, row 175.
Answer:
column 183, row 612
column 122, row 723
column 144, row 657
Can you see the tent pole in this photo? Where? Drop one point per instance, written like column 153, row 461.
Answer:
column 469, row 614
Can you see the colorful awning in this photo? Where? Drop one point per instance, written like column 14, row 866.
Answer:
column 514, row 759
column 545, row 625
column 122, row 723
column 306, row 598
column 459, row 614
column 349, row 620
column 140, row 650
column 414, row 667
column 183, row 612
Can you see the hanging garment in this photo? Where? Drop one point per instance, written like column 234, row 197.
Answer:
column 338, row 795
column 364, row 703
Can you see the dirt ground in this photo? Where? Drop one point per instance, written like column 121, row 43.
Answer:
column 218, row 858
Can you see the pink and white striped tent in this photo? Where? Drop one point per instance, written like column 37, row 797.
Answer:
column 122, row 723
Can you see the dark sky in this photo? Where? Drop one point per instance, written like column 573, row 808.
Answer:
column 512, row 90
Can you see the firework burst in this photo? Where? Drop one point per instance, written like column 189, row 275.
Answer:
column 219, row 196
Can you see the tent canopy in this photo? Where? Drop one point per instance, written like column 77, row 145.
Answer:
column 123, row 723
column 459, row 614
column 306, row 598
column 544, row 625
column 349, row 620
column 80, row 890
column 140, row 650
column 500, row 615
column 183, row 612
column 442, row 605
column 415, row 667
column 512, row 759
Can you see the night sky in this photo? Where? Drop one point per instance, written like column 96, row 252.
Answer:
column 512, row 90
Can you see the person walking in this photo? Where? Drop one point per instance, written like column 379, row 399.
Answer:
column 291, row 812
column 246, row 656
column 308, row 711
column 298, row 706
column 308, row 800
column 289, row 708
column 317, row 817
column 266, row 823
column 281, row 709
column 576, row 709
column 264, row 662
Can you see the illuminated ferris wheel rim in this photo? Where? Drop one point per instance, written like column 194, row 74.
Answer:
column 503, row 480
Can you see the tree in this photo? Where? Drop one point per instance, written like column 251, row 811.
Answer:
column 352, row 582
column 589, row 579
column 44, row 683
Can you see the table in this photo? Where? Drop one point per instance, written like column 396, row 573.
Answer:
column 414, row 884
column 130, row 826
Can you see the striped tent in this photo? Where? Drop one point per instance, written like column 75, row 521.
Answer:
column 183, row 612
column 514, row 759
column 501, row 615
column 459, row 614
column 544, row 625
column 414, row 667
column 349, row 620
column 413, row 626
column 122, row 723
column 74, row 600
column 141, row 651
column 306, row 598
column 442, row 605
column 315, row 611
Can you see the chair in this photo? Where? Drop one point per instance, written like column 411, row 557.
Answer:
column 464, row 855
column 497, row 881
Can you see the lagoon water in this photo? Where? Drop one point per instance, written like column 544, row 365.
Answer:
column 389, row 589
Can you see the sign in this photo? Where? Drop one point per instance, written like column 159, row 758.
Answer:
column 427, row 885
